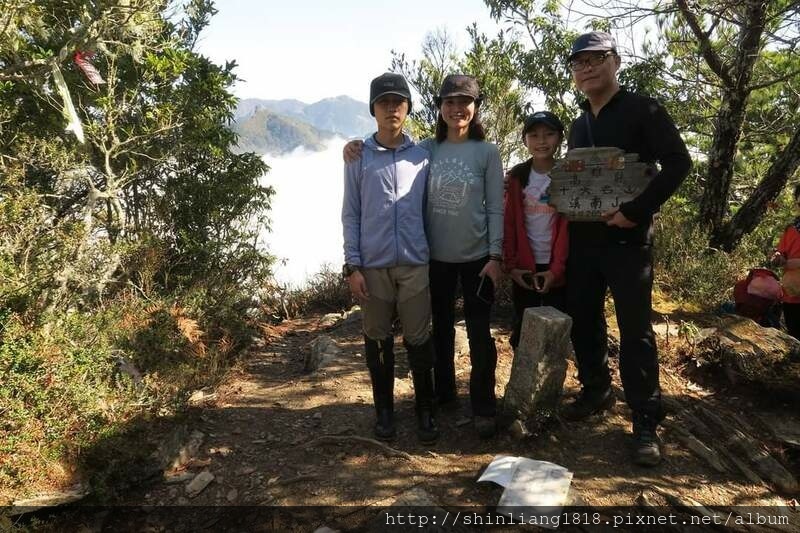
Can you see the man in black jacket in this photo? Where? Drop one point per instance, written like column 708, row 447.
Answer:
column 616, row 254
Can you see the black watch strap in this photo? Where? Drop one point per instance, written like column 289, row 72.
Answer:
column 347, row 270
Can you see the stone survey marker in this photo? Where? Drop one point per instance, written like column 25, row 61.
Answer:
column 589, row 181
column 539, row 367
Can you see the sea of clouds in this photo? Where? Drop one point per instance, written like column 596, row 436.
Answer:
column 306, row 226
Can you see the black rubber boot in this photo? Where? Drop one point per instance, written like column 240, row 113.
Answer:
column 380, row 361
column 420, row 359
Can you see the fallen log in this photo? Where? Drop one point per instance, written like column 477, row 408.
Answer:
column 765, row 358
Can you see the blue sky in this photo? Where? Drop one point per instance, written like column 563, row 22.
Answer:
column 312, row 49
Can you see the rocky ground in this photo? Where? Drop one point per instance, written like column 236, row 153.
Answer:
column 275, row 434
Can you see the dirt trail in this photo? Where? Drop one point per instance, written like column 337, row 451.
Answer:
column 261, row 427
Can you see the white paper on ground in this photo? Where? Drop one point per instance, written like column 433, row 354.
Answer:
column 500, row 470
column 534, row 490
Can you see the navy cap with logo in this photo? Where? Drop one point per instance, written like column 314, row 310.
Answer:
column 459, row 85
column 542, row 117
column 388, row 83
column 594, row 41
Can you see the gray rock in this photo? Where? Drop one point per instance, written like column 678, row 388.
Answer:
column 53, row 499
column 199, row 483
column 353, row 315
column 408, row 502
column 416, row 497
column 199, row 398
column 325, row 529
column 189, row 450
column 331, row 319
column 539, row 366
column 518, row 430
column 232, row 495
column 321, row 352
column 666, row 329
column 127, row 368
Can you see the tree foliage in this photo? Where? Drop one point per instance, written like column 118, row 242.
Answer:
column 128, row 227
column 156, row 163
column 729, row 73
column 490, row 60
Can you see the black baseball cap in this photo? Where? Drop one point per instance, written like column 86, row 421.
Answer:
column 598, row 41
column 458, row 85
column 388, row 83
column 542, row 117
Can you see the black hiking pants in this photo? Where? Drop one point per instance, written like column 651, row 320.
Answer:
column 627, row 270
column 482, row 351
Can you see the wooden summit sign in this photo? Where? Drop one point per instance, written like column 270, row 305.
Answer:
column 590, row 181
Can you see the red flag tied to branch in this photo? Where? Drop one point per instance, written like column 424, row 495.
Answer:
column 82, row 59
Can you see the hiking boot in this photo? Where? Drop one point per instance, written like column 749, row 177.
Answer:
column 485, row 426
column 647, row 451
column 587, row 404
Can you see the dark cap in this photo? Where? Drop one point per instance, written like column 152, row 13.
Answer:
column 593, row 41
column 542, row 117
column 459, row 85
column 388, row 83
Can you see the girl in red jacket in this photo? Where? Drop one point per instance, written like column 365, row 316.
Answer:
column 534, row 234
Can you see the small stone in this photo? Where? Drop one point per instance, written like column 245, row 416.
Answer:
column 463, row 421
column 177, row 477
column 232, row 495
column 321, row 351
column 200, row 482
column 329, row 320
column 518, row 430
column 196, row 398
column 247, row 470
column 318, row 415
column 224, row 451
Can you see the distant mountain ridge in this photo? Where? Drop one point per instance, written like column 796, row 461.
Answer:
column 277, row 127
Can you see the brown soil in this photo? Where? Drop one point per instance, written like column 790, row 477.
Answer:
column 261, row 428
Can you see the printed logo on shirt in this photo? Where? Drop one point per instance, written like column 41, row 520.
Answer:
column 536, row 203
column 449, row 185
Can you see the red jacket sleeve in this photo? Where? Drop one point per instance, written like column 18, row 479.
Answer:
column 558, row 261
column 510, row 225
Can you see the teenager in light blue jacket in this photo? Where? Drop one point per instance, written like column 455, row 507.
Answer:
column 386, row 253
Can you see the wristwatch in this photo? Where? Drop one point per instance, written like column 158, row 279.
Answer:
column 347, row 270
